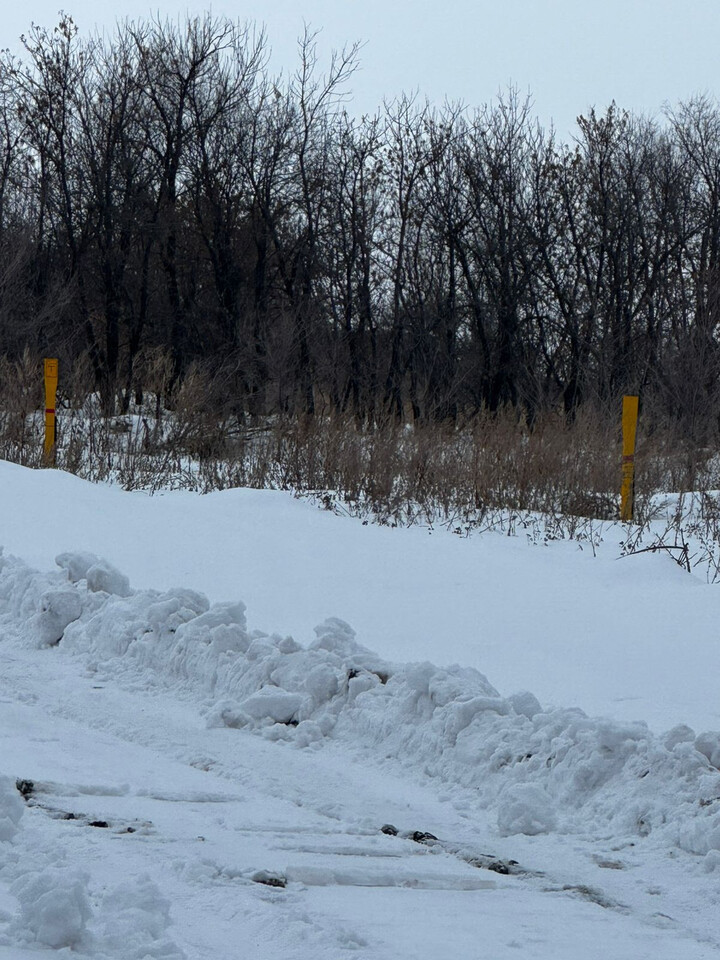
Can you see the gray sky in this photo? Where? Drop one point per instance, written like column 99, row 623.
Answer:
column 568, row 54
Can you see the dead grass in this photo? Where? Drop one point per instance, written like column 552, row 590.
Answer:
column 188, row 435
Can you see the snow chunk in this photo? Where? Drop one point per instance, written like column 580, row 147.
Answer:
column 361, row 683
column 223, row 627
column 272, row 703
column 336, row 636
column 11, row 809
column 221, row 615
column 525, row 704
column 461, row 714
column 679, row 734
column 288, row 645
column 708, row 744
column 58, row 609
column 54, row 906
column 76, row 564
column 419, row 676
column 308, row 732
column 136, row 918
column 321, row 683
column 525, row 808
column 226, row 713
column 447, row 686
column 101, row 576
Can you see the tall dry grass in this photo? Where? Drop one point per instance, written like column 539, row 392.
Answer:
column 188, row 435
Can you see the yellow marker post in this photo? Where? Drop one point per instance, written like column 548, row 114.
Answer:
column 51, row 382
column 629, row 429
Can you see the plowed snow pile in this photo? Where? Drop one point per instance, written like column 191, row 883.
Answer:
column 542, row 770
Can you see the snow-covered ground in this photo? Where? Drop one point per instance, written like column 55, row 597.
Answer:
column 634, row 638
column 198, row 783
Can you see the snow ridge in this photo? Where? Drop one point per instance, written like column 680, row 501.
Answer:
column 542, row 770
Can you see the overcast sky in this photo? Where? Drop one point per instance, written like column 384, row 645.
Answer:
column 568, row 54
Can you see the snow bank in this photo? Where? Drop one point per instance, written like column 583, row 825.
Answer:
column 542, row 770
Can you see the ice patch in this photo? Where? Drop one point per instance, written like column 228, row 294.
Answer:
column 375, row 877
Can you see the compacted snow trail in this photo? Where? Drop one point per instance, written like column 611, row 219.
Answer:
column 197, row 817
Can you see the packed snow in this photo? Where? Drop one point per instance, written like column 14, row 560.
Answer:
column 177, row 781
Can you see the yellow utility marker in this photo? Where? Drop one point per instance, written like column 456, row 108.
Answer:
column 51, row 382
column 629, row 429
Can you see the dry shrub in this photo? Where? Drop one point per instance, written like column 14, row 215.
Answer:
column 491, row 461
column 189, row 434
column 21, row 403
column 554, row 467
column 204, row 425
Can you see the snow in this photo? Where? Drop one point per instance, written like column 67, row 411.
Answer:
column 525, row 808
column 135, row 921
column 54, row 907
column 202, row 778
column 98, row 573
column 11, row 809
column 56, row 610
column 577, row 630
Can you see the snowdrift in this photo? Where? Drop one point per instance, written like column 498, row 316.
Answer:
column 541, row 770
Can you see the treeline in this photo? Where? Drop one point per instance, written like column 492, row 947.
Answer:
column 161, row 190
